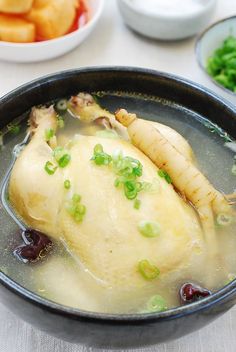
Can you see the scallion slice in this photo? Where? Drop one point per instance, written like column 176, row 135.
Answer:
column 58, row 152
column 156, row 304
column 148, row 270
column 49, row 133
column 165, row 175
column 137, row 204
column 126, row 168
column 62, row 105
column 60, row 122
column 67, row 184
column 62, row 156
column 117, row 182
column 64, row 160
column 130, row 189
column 98, row 149
column 99, row 157
column 75, row 208
column 149, row 229
column 81, row 209
column 50, row 168
column 76, row 198
column 221, row 65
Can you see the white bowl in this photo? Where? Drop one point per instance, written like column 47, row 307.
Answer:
column 49, row 49
column 164, row 26
column 211, row 39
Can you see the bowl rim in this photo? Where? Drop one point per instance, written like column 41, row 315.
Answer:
column 136, row 10
column 197, row 49
column 91, row 22
column 217, row 297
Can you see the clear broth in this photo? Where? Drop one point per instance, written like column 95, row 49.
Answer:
column 60, row 278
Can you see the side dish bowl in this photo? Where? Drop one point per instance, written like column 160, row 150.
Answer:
column 109, row 330
column 210, row 40
column 49, row 49
column 158, row 25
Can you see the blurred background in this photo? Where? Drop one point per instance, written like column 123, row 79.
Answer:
column 113, row 43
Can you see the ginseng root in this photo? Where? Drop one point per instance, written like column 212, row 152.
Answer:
column 186, row 178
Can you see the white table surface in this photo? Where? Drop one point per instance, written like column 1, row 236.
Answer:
column 113, row 44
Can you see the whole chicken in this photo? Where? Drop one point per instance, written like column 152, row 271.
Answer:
column 122, row 246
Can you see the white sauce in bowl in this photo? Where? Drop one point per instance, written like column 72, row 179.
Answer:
column 169, row 7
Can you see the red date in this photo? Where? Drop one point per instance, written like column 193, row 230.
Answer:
column 36, row 246
column 190, row 292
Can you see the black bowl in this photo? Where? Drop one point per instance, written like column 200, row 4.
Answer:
column 103, row 330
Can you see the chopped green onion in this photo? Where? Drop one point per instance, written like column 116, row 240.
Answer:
column 75, row 208
column 149, row 229
column 49, row 133
column 50, row 168
column 147, row 270
column 62, row 105
column 138, row 170
column 233, row 170
column 222, row 64
column 165, row 175
column 76, row 198
column 78, row 217
column 117, row 182
column 58, row 152
column 137, row 204
column 62, row 157
column 224, row 219
column 98, row 149
column 64, row 160
column 14, row 129
column 126, row 168
column 81, row 209
column 67, row 184
column 99, row 157
column 130, row 189
column 156, row 304
column 60, row 122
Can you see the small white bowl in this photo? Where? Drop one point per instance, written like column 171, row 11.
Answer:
column 210, row 40
column 159, row 25
column 49, row 49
